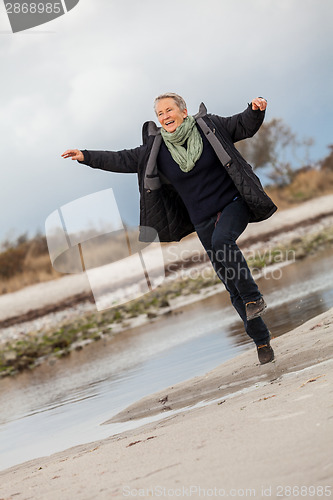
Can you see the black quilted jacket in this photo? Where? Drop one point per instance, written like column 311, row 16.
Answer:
column 161, row 208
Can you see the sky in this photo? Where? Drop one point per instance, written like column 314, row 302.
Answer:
column 88, row 79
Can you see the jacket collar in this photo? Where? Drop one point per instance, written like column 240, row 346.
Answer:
column 202, row 111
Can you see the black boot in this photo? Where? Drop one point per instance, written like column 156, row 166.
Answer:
column 265, row 353
column 255, row 309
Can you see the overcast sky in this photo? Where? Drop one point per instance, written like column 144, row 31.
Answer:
column 88, row 80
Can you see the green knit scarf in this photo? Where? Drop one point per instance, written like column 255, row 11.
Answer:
column 185, row 157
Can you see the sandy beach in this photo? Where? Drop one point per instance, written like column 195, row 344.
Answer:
column 130, row 346
column 242, row 430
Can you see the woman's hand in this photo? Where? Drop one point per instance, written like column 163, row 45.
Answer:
column 259, row 103
column 75, row 154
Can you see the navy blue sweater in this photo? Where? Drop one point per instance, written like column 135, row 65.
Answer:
column 206, row 189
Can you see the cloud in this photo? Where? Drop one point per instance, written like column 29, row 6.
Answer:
column 88, row 80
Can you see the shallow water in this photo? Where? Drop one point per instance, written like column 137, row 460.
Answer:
column 62, row 405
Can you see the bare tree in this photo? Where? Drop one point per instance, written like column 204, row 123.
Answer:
column 275, row 147
column 327, row 162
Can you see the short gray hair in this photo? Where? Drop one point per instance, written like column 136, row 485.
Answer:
column 171, row 95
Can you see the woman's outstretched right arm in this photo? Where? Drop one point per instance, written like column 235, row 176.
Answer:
column 125, row 161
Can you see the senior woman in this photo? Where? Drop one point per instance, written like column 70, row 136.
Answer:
column 192, row 178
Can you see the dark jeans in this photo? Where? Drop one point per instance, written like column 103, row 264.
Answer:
column 218, row 235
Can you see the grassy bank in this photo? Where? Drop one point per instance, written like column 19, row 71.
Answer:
column 36, row 347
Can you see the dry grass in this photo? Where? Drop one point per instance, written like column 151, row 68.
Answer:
column 33, row 269
column 28, row 263
column 305, row 186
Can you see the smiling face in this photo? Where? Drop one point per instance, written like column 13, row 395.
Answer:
column 169, row 114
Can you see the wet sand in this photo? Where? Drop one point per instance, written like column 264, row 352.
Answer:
column 265, row 429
